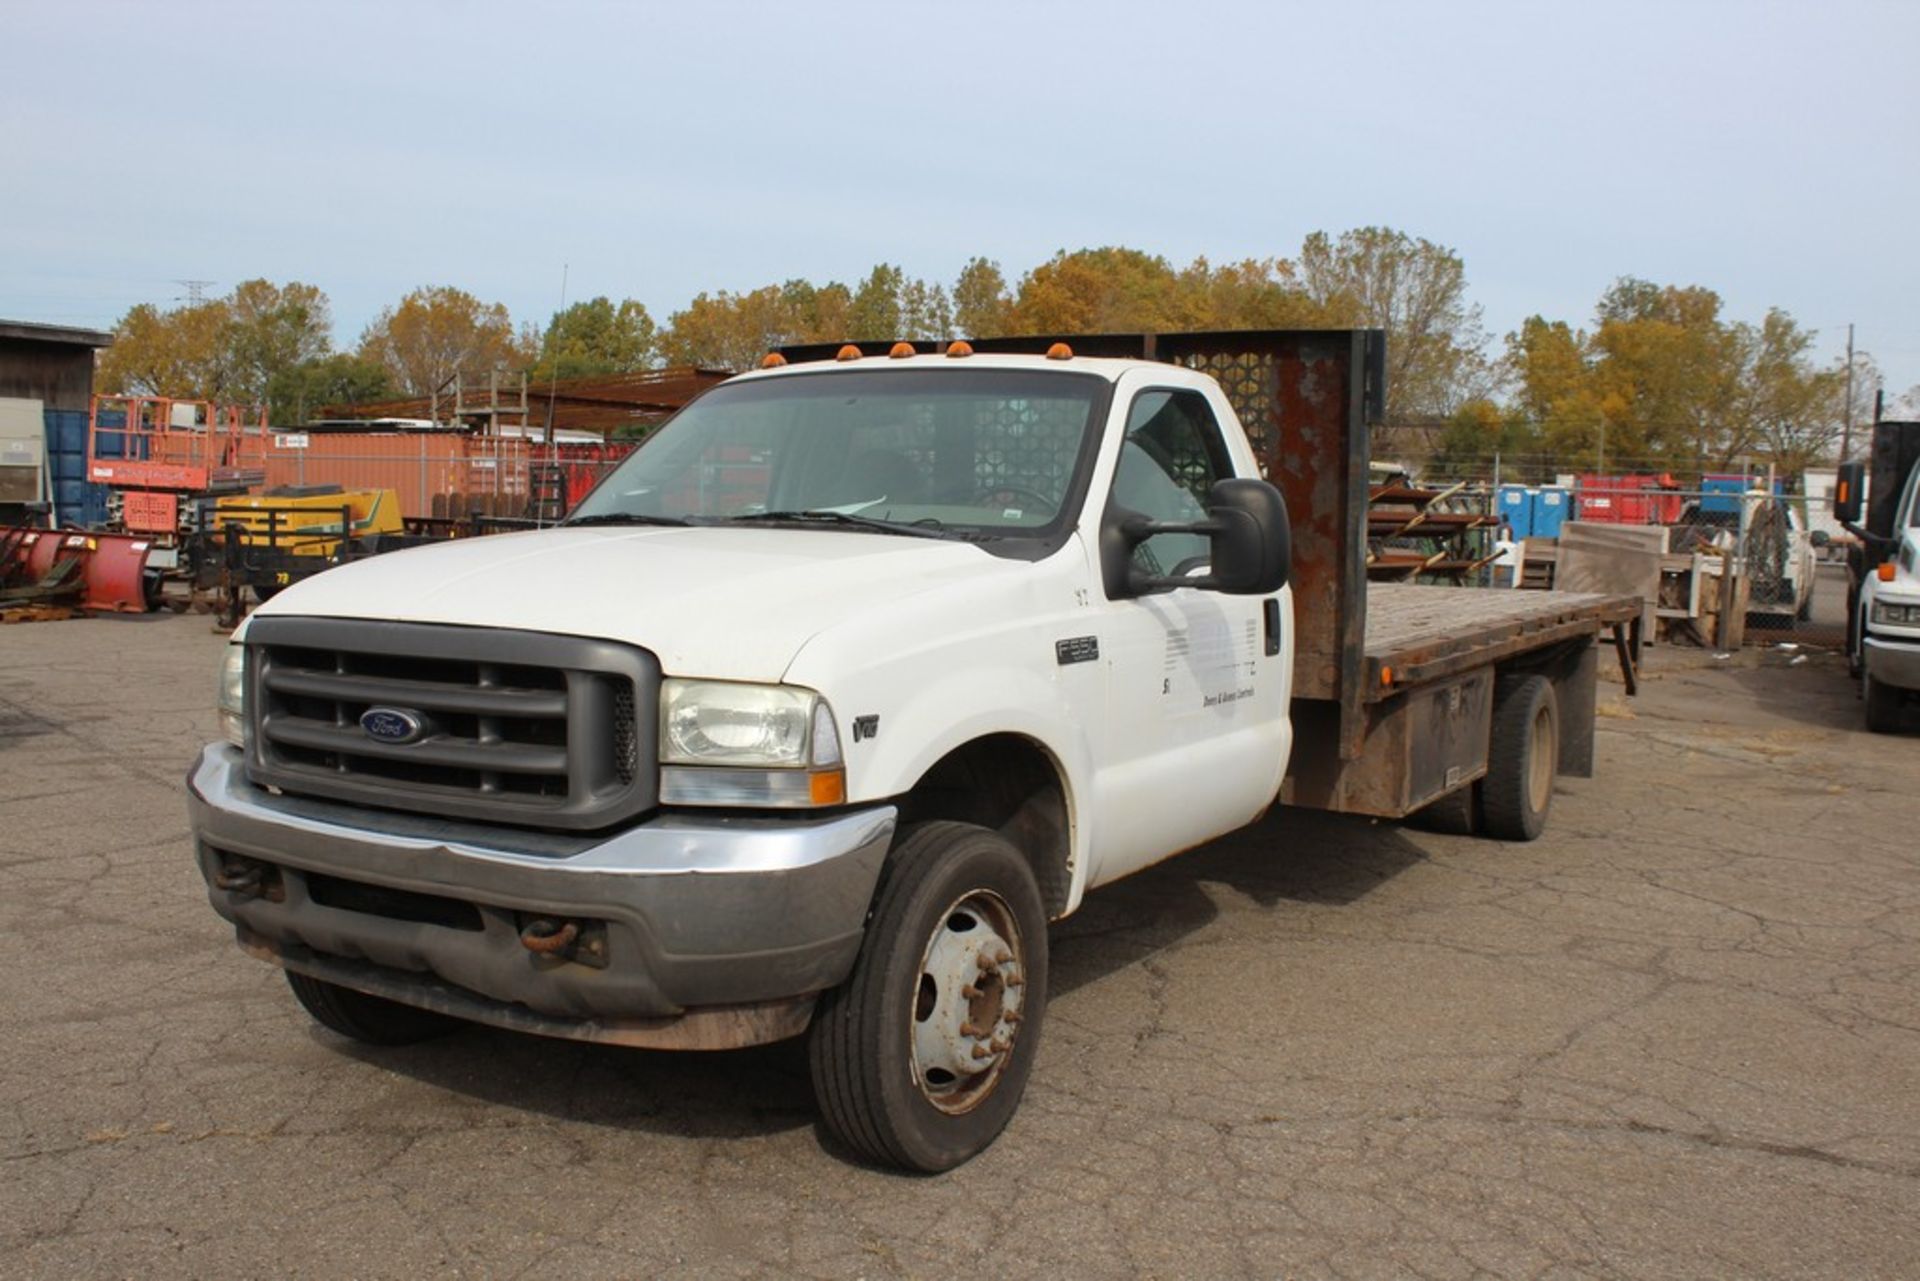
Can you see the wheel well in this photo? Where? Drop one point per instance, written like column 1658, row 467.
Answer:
column 1011, row 785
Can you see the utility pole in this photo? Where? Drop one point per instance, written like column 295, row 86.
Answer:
column 1846, row 422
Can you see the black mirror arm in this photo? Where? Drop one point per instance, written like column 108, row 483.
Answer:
column 1138, row 529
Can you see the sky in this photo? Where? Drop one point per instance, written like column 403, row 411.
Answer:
column 1768, row 151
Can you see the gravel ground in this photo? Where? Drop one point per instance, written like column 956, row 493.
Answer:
column 1678, row 1036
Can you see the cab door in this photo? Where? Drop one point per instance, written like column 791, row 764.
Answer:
column 1196, row 723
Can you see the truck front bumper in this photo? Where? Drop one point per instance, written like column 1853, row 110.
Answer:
column 1892, row 662
column 692, row 932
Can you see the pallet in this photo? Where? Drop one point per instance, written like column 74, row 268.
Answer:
column 37, row 614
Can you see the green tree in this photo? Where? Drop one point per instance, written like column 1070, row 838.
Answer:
column 1482, row 437
column 980, row 300
column 813, row 313
column 340, row 379
column 437, row 332
column 876, row 313
column 926, row 313
column 271, row 329
column 597, row 337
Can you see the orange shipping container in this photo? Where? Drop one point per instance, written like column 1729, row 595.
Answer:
column 434, row 473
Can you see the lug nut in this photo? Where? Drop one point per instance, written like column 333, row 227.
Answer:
column 968, row 1029
column 970, row 991
column 982, row 1052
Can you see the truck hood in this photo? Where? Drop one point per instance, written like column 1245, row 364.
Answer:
column 727, row 603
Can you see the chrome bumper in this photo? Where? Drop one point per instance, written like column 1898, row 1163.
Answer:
column 688, row 913
column 1895, row 663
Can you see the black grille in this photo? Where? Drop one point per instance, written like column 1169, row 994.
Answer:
column 511, row 726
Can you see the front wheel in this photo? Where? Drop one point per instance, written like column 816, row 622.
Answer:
column 920, row 1057
column 372, row 1019
column 1883, row 706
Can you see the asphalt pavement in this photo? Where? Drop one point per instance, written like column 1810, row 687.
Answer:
column 1679, row 1036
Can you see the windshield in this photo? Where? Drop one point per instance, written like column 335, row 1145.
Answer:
column 981, row 453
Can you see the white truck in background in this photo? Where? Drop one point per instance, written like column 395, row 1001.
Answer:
column 1877, row 500
column 853, row 677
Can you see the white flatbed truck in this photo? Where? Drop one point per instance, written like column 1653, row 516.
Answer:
column 854, row 676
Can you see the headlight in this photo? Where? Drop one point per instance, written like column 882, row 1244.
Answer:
column 230, row 698
column 1896, row 613
column 726, row 743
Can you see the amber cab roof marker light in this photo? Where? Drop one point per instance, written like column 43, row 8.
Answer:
column 900, row 351
column 772, row 360
column 848, row 352
column 959, row 348
column 1059, row 351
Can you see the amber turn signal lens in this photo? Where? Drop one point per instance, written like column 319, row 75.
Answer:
column 827, row 787
column 1885, row 571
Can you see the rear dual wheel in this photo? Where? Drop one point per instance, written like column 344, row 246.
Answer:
column 1512, row 800
column 920, row 1058
column 1522, row 759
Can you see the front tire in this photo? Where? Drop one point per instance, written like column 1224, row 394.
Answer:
column 1522, row 759
column 1883, row 706
column 920, row 1058
column 371, row 1019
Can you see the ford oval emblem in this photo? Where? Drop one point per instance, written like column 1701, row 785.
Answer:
column 392, row 724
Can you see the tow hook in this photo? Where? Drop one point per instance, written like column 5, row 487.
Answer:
column 584, row 942
column 545, row 936
column 248, row 878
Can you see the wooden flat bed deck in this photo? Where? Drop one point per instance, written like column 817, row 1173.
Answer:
column 1419, row 633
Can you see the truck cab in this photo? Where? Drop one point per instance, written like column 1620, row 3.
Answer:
column 1887, row 624
column 812, row 716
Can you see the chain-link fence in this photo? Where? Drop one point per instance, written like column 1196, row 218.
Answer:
column 1733, row 561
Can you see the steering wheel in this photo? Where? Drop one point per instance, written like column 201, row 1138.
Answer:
column 992, row 494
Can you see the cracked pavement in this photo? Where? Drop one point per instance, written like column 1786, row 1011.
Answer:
column 1679, row 1036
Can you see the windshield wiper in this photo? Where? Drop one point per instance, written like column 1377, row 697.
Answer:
column 626, row 518
column 818, row 516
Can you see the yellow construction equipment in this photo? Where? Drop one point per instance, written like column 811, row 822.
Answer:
column 310, row 524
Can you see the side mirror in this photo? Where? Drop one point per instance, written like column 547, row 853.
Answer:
column 1250, row 544
column 1847, row 486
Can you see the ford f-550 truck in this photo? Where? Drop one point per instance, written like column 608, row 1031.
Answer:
column 858, row 672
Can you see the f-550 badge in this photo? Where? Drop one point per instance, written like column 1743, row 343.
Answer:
column 1077, row 649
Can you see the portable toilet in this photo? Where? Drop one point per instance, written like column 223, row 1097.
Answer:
column 1550, row 506
column 1514, row 505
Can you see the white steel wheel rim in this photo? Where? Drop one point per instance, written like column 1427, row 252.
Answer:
column 1540, row 761
column 967, row 1002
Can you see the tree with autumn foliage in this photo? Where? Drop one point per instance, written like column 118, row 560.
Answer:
column 1416, row 290
column 230, row 348
column 1664, row 380
column 438, row 332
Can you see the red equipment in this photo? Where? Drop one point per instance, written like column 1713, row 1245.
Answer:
column 1630, row 500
